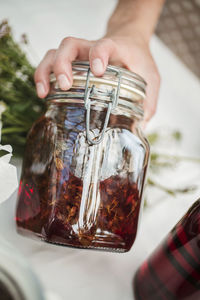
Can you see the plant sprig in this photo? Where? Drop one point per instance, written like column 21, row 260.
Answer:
column 17, row 91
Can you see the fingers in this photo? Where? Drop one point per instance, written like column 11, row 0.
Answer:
column 69, row 50
column 59, row 61
column 99, row 55
column 42, row 73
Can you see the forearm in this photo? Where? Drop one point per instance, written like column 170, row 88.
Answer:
column 135, row 15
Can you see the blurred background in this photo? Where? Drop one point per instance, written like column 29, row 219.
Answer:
column 74, row 274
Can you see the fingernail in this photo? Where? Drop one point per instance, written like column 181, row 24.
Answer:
column 63, row 82
column 40, row 89
column 97, row 66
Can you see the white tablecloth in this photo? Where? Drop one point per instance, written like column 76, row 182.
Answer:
column 85, row 274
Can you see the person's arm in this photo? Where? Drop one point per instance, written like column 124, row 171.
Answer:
column 135, row 15
column 126, row 44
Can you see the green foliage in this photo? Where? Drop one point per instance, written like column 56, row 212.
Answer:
column 153, row 138
column 17, row 91
column 161, row 161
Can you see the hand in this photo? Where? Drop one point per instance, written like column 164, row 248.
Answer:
column 131, row 52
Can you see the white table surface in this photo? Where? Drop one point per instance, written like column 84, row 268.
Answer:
column 85, row 274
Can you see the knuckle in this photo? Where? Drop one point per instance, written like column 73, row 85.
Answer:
column 104, row 43
column 107, row 41
column 68, row 39
column 101, row 47
column 50, row 52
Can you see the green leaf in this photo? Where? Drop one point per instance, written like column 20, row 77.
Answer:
column 17, row 91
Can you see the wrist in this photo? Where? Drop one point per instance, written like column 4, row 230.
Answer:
column 129, row 30
column 135, row 17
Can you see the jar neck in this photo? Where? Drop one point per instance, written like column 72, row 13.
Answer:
column 133, row 110
column 117, row 92
column 72, row 115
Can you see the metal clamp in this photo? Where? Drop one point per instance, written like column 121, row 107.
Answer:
column 114, row 96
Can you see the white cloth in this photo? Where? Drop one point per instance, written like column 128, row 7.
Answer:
column 8, row 172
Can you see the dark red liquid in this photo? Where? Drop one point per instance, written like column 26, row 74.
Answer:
column 173, row 270
column 52, row 211
column 61, row 200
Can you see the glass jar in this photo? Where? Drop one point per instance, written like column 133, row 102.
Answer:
column 85, row 163
column 173, row 270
